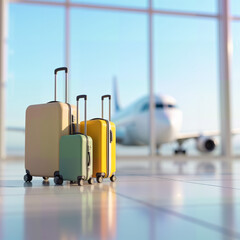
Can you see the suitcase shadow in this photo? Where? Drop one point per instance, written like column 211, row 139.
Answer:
column 44, row 183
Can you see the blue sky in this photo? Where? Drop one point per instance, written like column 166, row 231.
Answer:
column 106, row 44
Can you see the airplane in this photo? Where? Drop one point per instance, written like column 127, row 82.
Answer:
column 132, row 125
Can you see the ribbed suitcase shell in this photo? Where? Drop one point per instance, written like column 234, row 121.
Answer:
column 45, row 125
column 73, row 157
column 97, row 130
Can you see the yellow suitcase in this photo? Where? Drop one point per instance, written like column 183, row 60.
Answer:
column 45, row 124
column 103, row 133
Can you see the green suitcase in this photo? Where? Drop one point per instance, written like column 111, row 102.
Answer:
column 76, row 155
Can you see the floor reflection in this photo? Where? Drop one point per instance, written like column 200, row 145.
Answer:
column 228, row 211
column 108, row 214
column 205, row 168
column 162, row 200
column 87, row 212
column 182, row 168
column 1, row 206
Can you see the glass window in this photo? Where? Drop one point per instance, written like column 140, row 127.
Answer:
column 36, row 47
column 206, row 6
column 125, row 3
column 235, row 7
column 107, row 46
column 186, row 68
column 51, row 0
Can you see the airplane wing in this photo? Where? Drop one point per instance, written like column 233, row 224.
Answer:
column 194, row 135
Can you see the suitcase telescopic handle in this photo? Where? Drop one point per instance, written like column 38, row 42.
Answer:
column 109, row 97
column 66, row 82
column 85, row 113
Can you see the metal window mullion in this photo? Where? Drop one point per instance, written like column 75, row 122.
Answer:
column 67, row 41
column 67, row 33
column 3, row 75
column 119, row 8
column 225, row 51
column 151, row 83
column 235, row 18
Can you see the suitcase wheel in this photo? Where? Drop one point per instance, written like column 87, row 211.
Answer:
column 113, row 178
column 90, row 181
column 80, row 181
column 27, row 178
column 58, row 180
column 99, row 179
column 45, row 178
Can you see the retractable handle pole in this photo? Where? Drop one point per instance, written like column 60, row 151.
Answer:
column 85, row 113
column 66, row 82
column 109, row 97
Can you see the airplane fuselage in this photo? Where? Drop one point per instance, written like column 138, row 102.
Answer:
column 132, row 123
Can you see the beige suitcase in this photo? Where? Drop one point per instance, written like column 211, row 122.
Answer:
column 45, row 124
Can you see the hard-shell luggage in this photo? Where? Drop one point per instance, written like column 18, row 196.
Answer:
column 103, row 133
column 45, row 124
column 76, row 153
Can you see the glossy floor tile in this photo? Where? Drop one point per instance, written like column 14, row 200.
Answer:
column 157, row 200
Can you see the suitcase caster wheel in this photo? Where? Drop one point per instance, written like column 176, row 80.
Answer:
column 27, row 178
column 45, row 178
column 80, row 182
column 100, row 179
column 90, row 181
column 113, row 178
column 58, row 180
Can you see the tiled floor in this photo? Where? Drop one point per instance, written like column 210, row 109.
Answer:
column 163, row 200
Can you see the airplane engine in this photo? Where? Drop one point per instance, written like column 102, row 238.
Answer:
column 205, row 144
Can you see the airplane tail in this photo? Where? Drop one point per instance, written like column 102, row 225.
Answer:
column 115, row 95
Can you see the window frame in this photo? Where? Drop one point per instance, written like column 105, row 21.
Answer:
column 150, row 12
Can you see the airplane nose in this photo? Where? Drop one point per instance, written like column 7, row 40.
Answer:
column 167, row 120
column 168, row 126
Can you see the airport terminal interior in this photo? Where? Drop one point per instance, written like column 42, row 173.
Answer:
column 155, row 85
